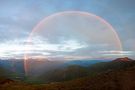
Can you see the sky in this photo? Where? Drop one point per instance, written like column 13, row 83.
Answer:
column 19, row 17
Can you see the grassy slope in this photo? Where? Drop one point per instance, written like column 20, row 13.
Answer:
column 75, row 71
column 120, row 78
column 115, row 80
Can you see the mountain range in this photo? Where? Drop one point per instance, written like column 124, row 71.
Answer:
column 117, row 74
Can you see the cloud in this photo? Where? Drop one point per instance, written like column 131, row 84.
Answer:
column 17, row 19
column 20, row 48
column 117, row 53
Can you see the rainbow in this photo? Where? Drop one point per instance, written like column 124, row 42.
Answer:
column 48, row 18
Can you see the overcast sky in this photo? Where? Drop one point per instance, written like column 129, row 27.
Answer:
column 19, row 17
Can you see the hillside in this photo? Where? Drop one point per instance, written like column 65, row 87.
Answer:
column 75, row 71
column 3, row 72
column 115, row 80
column 114, row 75
column 40, row 71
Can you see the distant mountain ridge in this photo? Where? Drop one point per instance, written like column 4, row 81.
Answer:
column 84, row 62
column 123, row 59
